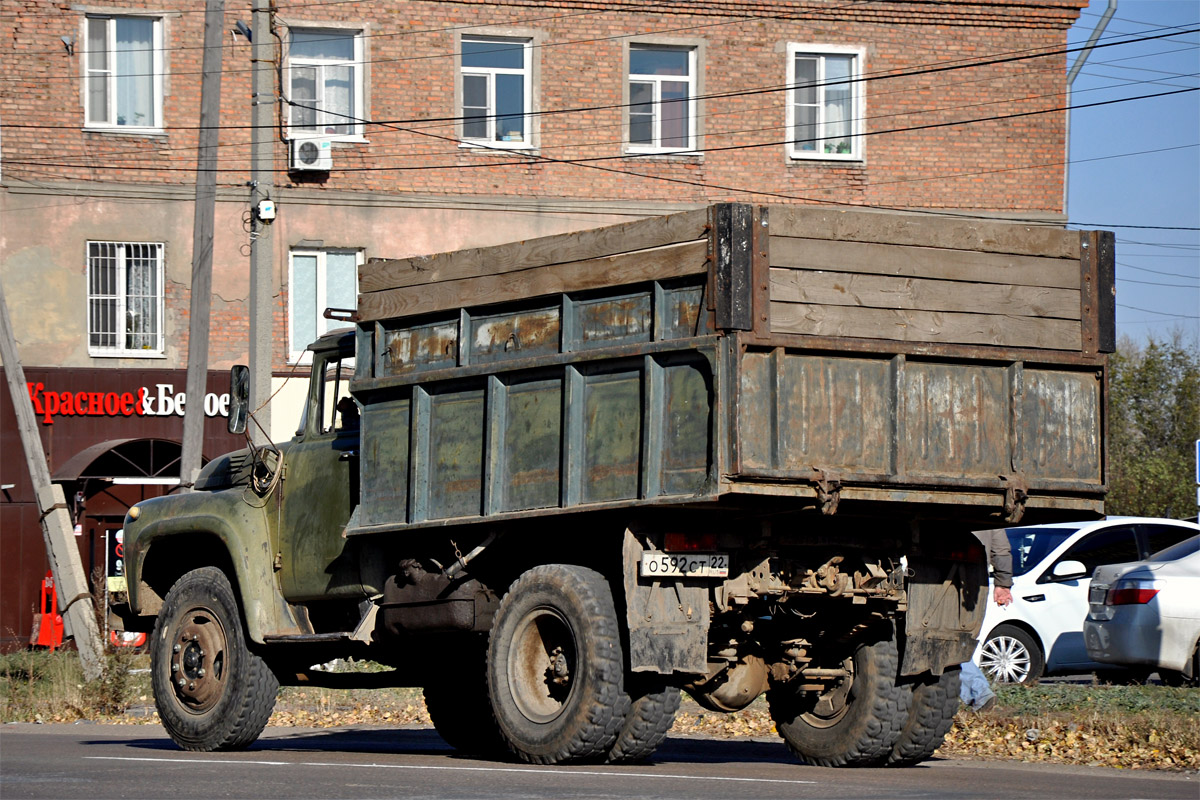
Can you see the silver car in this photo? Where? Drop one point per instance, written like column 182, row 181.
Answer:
column 1147, row 613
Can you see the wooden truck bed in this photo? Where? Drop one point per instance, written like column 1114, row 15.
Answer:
column 835, row 359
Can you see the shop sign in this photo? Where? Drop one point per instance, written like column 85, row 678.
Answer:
column 163, row 401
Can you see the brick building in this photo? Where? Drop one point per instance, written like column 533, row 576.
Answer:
column 442, row 125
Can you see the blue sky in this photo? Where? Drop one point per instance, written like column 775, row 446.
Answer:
column 1115, row 180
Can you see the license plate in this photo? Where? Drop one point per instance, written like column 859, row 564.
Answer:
column 1097, row 593
column 678, row 565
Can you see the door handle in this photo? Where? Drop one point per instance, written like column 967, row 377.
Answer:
column 1034, row 598
column 346, row 455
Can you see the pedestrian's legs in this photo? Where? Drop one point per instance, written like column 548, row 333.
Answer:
column 975, row 691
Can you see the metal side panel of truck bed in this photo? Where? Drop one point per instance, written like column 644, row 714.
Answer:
column 837, row 359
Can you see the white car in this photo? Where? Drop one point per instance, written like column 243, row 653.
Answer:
column 1041, row 631
column 1147, row 614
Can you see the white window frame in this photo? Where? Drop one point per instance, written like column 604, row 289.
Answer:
column 693, row 81
column 358, row 65
column 297, row 351
column 857, row 102
column 489, row 141
column 109, row 123
column 121, row 295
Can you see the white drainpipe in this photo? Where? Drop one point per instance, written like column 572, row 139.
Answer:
column 1071, row 75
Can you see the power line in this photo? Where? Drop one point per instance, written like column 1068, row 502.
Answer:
column 1163, row 313
column 530, row 159
column 378, row 153
column 1152, row 283
column 866, row 78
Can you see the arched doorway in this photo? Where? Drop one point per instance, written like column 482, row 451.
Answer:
column 101, row 482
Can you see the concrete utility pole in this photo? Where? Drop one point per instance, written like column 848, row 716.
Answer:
column 262, row 137
column 202, row 244
column 74, row 598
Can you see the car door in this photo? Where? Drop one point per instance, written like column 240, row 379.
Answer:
column 1157, row 536
column 1063, row 602
column 320, row 488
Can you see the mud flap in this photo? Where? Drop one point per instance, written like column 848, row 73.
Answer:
column 667, row 618
column 946, row 601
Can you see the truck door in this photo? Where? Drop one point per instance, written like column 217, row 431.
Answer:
column 320, row 487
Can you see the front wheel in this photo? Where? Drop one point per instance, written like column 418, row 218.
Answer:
column 555, row 666
column 1010, row 655
column 211, row 692
column 857, row 720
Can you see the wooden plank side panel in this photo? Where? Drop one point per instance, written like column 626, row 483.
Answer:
column 885, row 291
column 560, row 249
column 925, row 326
column 924, row 262
column 992, row 236
column 666, row 262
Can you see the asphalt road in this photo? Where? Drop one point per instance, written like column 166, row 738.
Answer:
column 106, row 761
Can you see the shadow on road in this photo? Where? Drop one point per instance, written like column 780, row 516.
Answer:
column 675, row 750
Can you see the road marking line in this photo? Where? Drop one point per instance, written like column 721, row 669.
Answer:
column 523, row 770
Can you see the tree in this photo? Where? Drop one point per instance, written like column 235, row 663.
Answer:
column 1154, row 421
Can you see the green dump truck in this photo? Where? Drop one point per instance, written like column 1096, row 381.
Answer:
column 733, row 451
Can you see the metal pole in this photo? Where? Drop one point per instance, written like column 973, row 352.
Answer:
column 1073, row 73
column 74, row 598
column 202, row 244
column 261, row 262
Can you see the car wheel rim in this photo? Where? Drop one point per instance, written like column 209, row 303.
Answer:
column 1005, row 659
column 198, row 661
column 832, row 704
column 542, row 665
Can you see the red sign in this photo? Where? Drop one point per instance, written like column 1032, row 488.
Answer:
column 163, row 403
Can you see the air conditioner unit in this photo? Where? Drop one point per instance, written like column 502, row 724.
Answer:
column 311, row 155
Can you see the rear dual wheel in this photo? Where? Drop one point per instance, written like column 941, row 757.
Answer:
column 857, row 720
column 555, row 666
column 456, row 698
column 934, row 703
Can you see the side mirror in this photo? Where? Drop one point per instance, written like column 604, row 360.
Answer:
column 1067, row 570
column 239, row 398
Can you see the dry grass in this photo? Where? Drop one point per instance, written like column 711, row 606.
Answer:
column 1129, row 727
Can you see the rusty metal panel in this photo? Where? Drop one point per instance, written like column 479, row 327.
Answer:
column 386, row 430
column 956, row 420
column 680, row 311
column 427, row 346
column 608, row 321
column 833, row 412
column 756, row 439
column 455, row 458
column 515, row 334
column 1058, row 425
column 611, row 437
column 804, row 411
column 685, row 421
column 734, row 268
column 531, row 458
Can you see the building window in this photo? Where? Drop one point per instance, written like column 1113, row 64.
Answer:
column 662, row 106
column 496, row 91
column 825, row 106
column 125, row 299
column 320, row 279
column 325, row 83
column 123, row 72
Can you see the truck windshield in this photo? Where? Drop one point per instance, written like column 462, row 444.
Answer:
column 1030, row 546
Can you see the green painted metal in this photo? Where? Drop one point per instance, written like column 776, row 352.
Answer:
column 599, row 398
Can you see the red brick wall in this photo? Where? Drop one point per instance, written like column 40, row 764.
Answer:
column 914, row 156
column 1003, row 165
